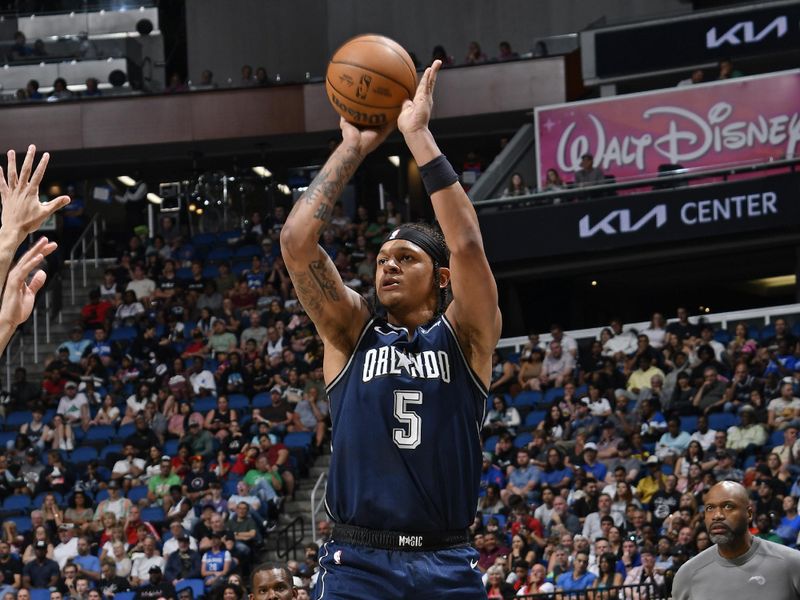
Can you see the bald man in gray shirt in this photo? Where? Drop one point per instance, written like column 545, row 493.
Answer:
column 739, row 565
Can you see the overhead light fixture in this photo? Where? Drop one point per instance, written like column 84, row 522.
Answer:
column 776, row 282
column 192, row 207
column 395, row 160
column 154, row 198
column 262, row 171
column 126, row 180
column 284, row 189
column 199, row 211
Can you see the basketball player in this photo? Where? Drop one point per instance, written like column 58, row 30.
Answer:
column 23, row 214
column 407, row 391
column 271, row 582
column 740, row 565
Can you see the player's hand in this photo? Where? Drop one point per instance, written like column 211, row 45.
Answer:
column 20, row 293
column 416, row 113
column 366, row 139
column 22, row 212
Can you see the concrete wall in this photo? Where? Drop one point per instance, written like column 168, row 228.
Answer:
column 292, row 37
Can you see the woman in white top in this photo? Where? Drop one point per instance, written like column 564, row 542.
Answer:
column 137, row 402
column 656, row 331
column 108, row 413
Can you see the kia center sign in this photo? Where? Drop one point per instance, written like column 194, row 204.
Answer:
column 625, row 221
column 750, row 119
column 685, row 41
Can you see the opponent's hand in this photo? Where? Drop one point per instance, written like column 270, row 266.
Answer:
column 363, row 140
column 416, row 113
column 19, row 294
column 22, row 212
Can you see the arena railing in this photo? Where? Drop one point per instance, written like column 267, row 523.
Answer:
column 317, row 504
column 289, row 538
column 656, row 183
column 642, row 591
column 723, row 320
column 89, row 239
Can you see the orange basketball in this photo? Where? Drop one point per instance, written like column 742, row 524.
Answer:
column 368, row 79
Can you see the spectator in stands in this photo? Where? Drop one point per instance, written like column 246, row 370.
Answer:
column 747, row 437
column 579, row 578
column 144, row 561
column 60, row 91
column 176, row 84
column 311, row 414
column 42, row 572
column 32, row 90
column 553, row 182
column 141, row 285
column 506, row 53
column 246, row 79
column 501, row 418
column 184, row 563
column 516, row 187
column 95, row 313
column 683, row 327
column 156, row 588
column 727, row 70
column 784, row 409
column 557, row 367
column 200, row 441
column 673, row 442
column 696, row 77
column 72, row 407
column 439, row 53
column 711, row 394
column 19, row 49
column 475, row 56
column 63, row 436
column 588, row 175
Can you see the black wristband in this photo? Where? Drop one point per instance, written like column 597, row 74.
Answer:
column 437, row 174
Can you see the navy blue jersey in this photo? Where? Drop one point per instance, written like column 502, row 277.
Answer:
column 406, row 443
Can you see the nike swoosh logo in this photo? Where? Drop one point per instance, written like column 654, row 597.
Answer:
column 473, row 564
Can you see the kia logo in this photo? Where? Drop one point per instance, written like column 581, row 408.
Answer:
column 745, row 33
column 619, row 221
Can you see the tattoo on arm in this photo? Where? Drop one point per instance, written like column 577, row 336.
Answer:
column 316, row 286
column 320, row 271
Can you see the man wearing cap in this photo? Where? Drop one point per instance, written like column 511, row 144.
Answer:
column 279, row 415
column 67, row 549
column 588, row 174
column 196, row 482
column 171, row 545
column 156, row 587
column 591, row 464
column 130, row 464
column 76, row 345
column 144, row 561
column 159, row 484
column 725, row 469
column 115, row 503
column 651, row 482
column 31, row 470
column 184, row 561
column 74, row 408
column 41, row 572
column 200, row 441
column 142, row 438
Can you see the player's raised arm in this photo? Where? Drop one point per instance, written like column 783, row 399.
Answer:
column 338, row 312
column 22, row 212
column 474, row 311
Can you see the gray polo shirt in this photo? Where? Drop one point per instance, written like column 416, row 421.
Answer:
column 766, row 571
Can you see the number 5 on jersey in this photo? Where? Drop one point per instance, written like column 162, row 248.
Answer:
column 410, row 439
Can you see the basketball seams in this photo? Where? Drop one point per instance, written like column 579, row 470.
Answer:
column 373, row 72
column 405, row 62
column 357, row 103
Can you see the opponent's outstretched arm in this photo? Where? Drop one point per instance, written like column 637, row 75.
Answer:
column 22, row 212
column 474, row 311
column 337, row 311
column 20, row 293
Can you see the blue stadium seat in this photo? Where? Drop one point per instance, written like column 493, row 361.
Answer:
column 204, row 239
column 239, row 267
column 82, row 455
column 528, row 398
column 249, row 251
column 23, row 523
column 123, row 334
column 39, row 499
column 218, row 255
column 197, row 585
column 750, row 461
column 513, row 358
column 231, row 235
column 723, row 336
column 204, row 405
column 100, row 433
column 298, row 439
column 534, row 418
column 127, row 596
column 171, row 447
column 553, row 393
column 689, row 423
column 775, row 439
column 7, row 437
column 184, row 273
column 262, row 400
column 110, row 449
column 100, row 496
column 153, row 514
column 137, row 493
column 229, row 488
column 16, row 505
column 17, row 418
column 766, row 332
column 125, row 430
column 501, row 520
column 523, row 439
column 581, row 390
column 239, row 402
column 490, row 443
column 210, row 271
column 721, row 421
column 39, row 593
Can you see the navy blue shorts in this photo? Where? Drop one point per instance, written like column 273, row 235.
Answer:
column 350, row 572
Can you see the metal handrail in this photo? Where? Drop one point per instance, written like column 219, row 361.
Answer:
column 283, row 536
column 89, row 236
column 316, row 505
column 638, row 591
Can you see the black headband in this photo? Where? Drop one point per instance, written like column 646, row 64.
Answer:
column 430, row 244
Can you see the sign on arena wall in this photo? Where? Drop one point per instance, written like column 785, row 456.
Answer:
column 677, row 214
column 734, row 121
